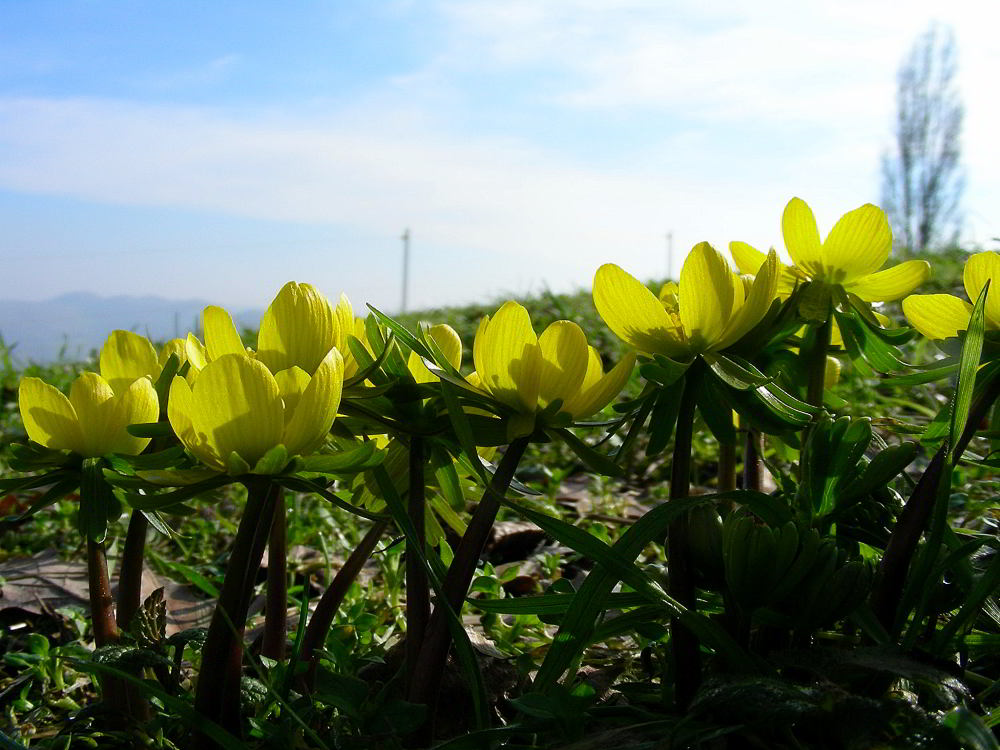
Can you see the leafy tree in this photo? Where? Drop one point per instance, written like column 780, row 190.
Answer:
column 922, row 179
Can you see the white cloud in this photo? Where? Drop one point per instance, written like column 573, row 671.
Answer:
column 782, row 99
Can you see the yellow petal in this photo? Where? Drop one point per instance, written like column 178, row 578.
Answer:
column 449, row 342
column 798, row 227
column 317, row 407
column 298, row 329
column 174, row 346
column 197, row 354
column 292, row 384
column 564, row 361
column 892, row 283
column 937, row 316
column 599, row 389
column 180, row 408
column 980, row 268
column 419, row 370
column 236, row 407
column 509, row 360
column 137, row 405
column 48, row 416
column 749, row 260
column 89, row 394
column 858, row 245
column 346, row 324
column 125, row 357
column 221, row 336
column 706, row 295
column 762, row 293
column 634, row 315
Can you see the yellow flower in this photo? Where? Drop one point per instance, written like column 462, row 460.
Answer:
column 850, row 256
column 298, row 329
column 450, row 344
column 711, row 309
column 528, row 372
column 92, row 421
column 941, row 316
column 236, row 411
column 127, row 356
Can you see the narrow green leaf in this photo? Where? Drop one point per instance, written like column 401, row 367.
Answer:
column 404, row 334
column 350, row 461
column 552, row 604
column 972, row 350
column 663, row 418
column 463, row 431
column 98, row 504
column 150, row 430
column 594, row 460
column 735, row 372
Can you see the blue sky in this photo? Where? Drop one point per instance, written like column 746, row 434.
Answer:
column 217, row 150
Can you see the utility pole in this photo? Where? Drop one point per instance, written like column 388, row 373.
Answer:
column 406, row 265
column 670, row 255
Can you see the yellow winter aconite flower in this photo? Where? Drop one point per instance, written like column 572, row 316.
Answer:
column 127, row 356
column 709, row 310
column 298, row 329
column 528, row 372
column 850, row 256
column 450, row 344
column 941, row 316
column 236, row 411
column 92, row 421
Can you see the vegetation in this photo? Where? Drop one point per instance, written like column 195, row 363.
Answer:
column 749, row 547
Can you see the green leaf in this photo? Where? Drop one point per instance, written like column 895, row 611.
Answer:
column 463, row 430
column 862, row 343
column 619, row 567
column 594, row 460
column 939, row 372
column 552, row 604
column 150, row 430
column 972, row 350
column 362, row 458
column 882, row 469
column 402, row 333
column 300, row 484
column 716, row 412
column 98, row 504
column 162, row 384
column 970, row 730
column 164, row 500
column 663, row 371
column 663, row 418
column 62, row 486
column 735, row 372
column 272, row 462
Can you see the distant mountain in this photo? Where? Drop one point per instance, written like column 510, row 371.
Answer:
column 75, row 324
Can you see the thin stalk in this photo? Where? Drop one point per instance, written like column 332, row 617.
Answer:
column 218, row 694
column 276, row 603
column 680, row 574
column 130, row 595
column 433, row 657
column 816, row 362
column 130, row 573
column 102, row 604
column 753, row 451
column 329, row 603
column 116, row 693
column 727, row 467
column 418, row 592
